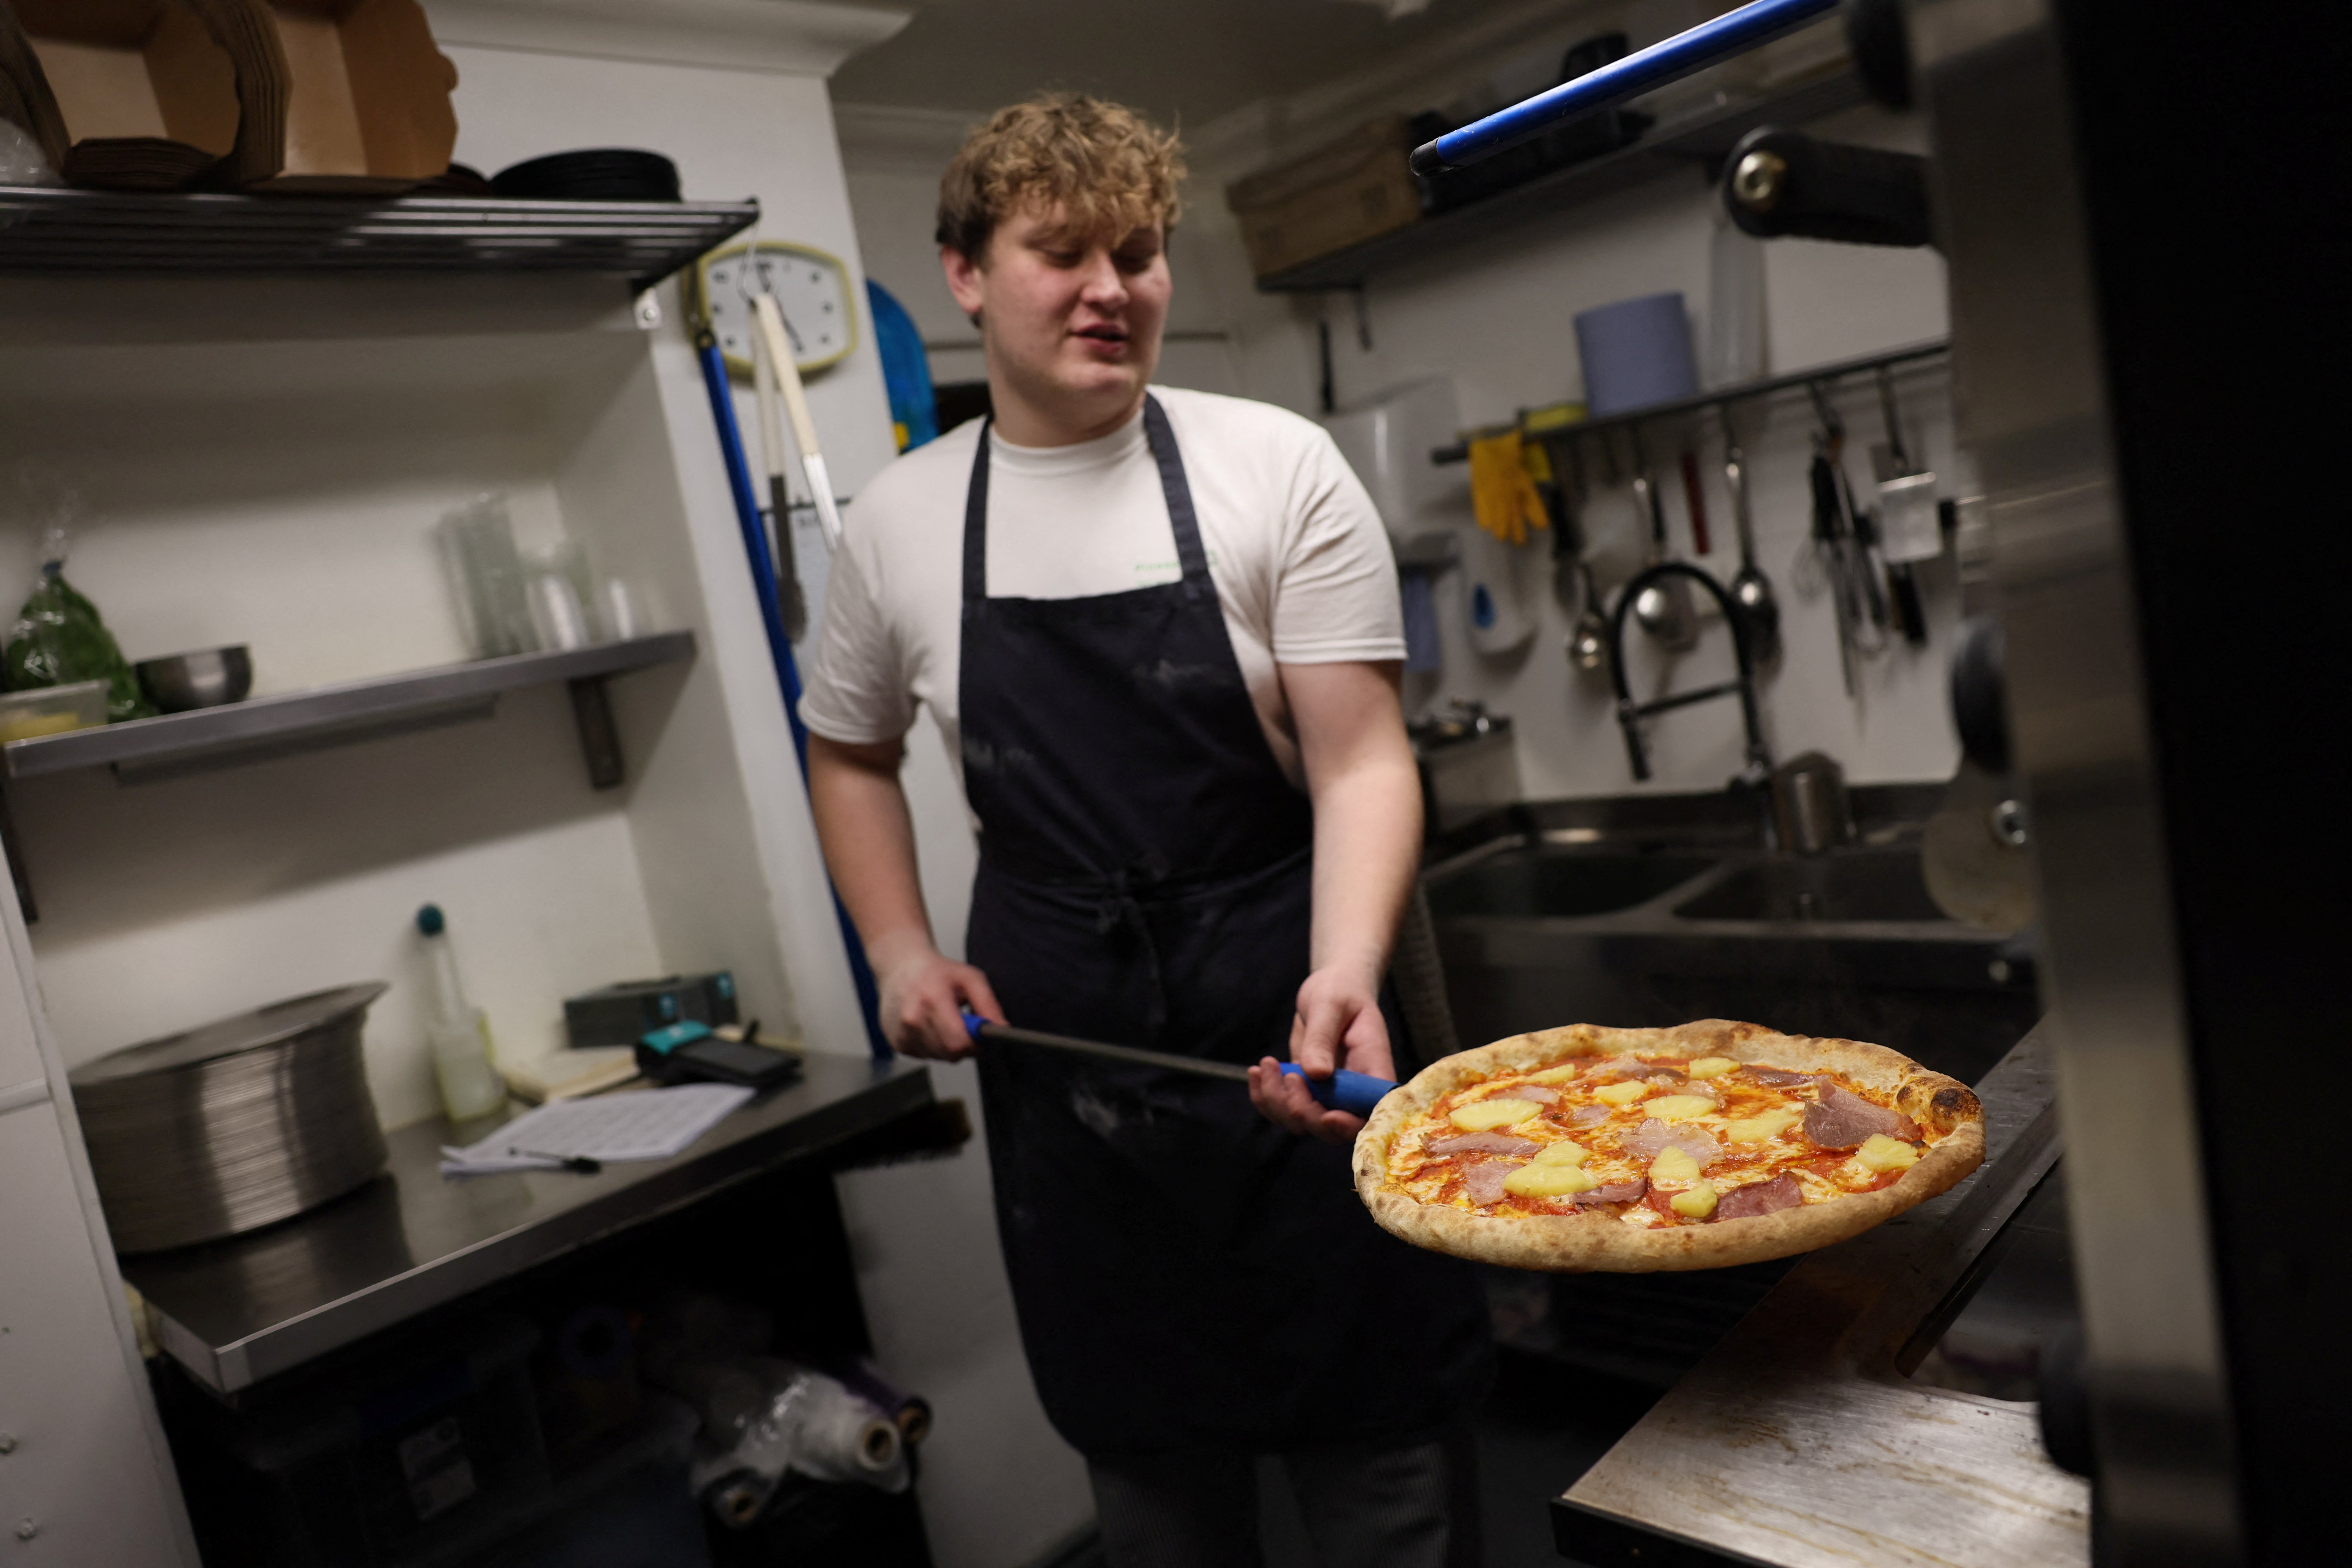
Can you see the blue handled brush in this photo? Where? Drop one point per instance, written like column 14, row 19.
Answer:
column 1353, row 1092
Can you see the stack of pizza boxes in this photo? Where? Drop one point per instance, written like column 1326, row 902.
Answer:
column 333, row 95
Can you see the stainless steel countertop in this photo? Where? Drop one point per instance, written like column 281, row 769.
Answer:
column 234, row 1312
column 1797, row 1443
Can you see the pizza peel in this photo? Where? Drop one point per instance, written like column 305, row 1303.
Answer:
column 1353, row 1092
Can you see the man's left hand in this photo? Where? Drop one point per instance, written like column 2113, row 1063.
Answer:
column 1338, row 1025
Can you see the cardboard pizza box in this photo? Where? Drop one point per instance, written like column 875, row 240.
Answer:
column 367, row 108
column 130, row 94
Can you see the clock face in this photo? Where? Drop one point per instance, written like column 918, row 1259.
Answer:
column 811, row 288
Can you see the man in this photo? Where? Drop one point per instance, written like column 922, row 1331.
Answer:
column 1161, row 632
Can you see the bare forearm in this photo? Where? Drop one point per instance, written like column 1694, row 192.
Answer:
column 1367, row 849
column 868, row 838
column 1367, row 853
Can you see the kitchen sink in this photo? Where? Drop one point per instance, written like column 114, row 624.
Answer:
column 1536, row 882
column 1865, row 885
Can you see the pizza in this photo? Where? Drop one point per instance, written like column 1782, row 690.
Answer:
column 1628, row 1151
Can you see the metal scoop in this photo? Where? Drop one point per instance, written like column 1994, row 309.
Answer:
column 1664, row 609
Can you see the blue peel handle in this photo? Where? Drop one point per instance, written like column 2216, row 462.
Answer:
column 972, row 1024
column 1353, row 1092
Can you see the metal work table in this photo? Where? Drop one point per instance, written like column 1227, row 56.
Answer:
column 1799, row 1443
column 234, row 1312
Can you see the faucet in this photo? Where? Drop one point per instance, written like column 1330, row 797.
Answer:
column 1758, row 773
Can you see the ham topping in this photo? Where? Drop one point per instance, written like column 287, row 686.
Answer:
column 1634, row 1067
column 1759, row 1198
column 1485, row 1178
column 1536, row 1092
column 1779, row 1078
column 1482, row 1144
column 1645, row 1142
column 1586, row 1115
column 1627, row 1192
column 1840, row 1120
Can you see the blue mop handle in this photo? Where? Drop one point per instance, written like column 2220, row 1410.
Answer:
column 1353, row 1092
column 1734, row 32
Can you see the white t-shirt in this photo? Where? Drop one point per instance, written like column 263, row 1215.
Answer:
column 1302, row 569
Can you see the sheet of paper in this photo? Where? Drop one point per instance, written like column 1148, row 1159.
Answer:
column 657, row 1125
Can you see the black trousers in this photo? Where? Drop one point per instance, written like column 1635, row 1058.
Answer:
column 1411, row 1505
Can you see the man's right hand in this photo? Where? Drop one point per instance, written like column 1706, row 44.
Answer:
column 924, row 995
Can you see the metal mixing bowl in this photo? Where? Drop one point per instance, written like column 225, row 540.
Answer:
column 206, row 678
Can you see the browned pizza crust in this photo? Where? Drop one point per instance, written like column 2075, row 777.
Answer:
column 1597, row 1241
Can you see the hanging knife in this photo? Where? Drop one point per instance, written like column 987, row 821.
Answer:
column 1353, row 1092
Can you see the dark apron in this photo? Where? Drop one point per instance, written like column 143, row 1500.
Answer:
column 1186, row 1272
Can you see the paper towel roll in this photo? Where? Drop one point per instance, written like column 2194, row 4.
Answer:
column 1636, row 353
column 1495, row 593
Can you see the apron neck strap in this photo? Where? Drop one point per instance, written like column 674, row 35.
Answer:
column 1182, row 521
column 975, row 522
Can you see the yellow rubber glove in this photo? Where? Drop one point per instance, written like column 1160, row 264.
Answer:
column 1502, row 490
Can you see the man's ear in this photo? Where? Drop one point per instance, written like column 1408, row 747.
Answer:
column 967, row 280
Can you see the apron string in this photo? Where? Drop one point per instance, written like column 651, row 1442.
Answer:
column 975, row 523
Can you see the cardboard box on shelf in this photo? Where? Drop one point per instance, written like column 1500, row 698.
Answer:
column 368, row 107
column 1354, row 188
column 131, row 94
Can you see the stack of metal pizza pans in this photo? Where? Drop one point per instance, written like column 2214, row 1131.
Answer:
column 237, row 1124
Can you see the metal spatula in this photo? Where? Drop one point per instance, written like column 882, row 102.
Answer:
column 1353, row 1092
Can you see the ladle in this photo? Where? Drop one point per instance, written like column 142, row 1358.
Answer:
column 1663, row 607
column 1588, row 644
column 1752, row 591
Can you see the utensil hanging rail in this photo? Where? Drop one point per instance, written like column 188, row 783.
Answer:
column 1709, row 43
column 1823, row 375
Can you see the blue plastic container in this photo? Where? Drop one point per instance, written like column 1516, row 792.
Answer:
column 1636, row 352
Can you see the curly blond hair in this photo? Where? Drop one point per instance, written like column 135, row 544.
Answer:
column 1109, row 171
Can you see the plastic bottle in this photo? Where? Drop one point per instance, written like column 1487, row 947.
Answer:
column 458, row 1034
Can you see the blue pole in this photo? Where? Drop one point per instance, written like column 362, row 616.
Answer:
column 788, row 673
column 1733, row 33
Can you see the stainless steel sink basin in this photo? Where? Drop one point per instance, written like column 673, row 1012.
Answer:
column 1539, row 881
column 1861, row 886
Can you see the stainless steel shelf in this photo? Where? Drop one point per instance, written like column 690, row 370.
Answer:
column 264, row 727
column 234, row 1312
column 47, row 230
column 1696, row 142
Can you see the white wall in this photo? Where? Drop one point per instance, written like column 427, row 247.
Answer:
column 1499, row 321
column 998, row 1486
